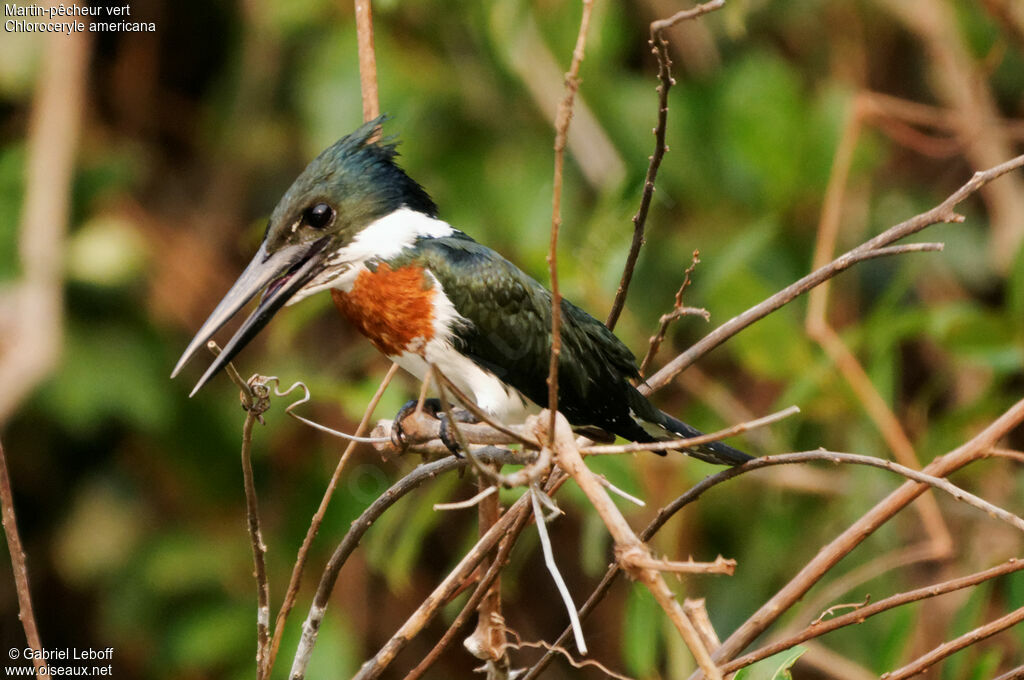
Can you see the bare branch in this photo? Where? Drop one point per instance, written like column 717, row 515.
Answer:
column 562, row 120
column 18, row 566
column 829, row 555
column 423, row 434
column 955, row 645
column 556, row 576
column 419, row 475
column 865, row 611
column 314, row 526
column 367, row 60
column 259, row 548
column 659, row 46
column 487, row 641
column 678, row 311
column 481, row 591
column 696, row 609
column 820, row 330
column 721, row 565
column 673, row 444
column 941, row 213
column 630, row 552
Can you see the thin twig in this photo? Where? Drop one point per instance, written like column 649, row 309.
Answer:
column 247, row 397
column 487, row 641
column 562, row 119
column 259, row 548
column 255, row 398
column 575, row 663
column 556, row 576
column 18, row 566
column 1012, row 674
column 697, row 610
column 821, row 331
column 829, row 555
column 947, row 648
column 673, row 444
column 519, row 523
column 630, row 551
column 942, row 213
column 678, row 311
column 432, row 604
column 469, row 502
column 314, row 526
column 420, row 474
column 367, row 60
column 721, row 565
column 865, row 611
column 944, row 465
column 659, row 46
column 925, row 551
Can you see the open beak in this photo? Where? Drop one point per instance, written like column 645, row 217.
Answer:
column 282, row 273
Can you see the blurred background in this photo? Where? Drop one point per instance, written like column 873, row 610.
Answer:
column 177, row 144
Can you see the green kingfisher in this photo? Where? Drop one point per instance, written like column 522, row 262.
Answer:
column 355, row 224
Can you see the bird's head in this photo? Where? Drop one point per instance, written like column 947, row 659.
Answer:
column 353, row 183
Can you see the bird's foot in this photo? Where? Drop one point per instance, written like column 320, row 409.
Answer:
column 447, row 432
column 433, row 408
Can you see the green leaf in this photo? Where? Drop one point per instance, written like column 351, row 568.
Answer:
column 775, row 667
column 641, row 640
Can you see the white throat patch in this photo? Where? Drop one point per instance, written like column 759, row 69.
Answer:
column 379, row 240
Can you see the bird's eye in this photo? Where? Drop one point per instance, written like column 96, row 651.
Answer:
column 318, row 216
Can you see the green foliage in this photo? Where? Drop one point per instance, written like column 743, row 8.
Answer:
column 642, row 641
column 775, row 667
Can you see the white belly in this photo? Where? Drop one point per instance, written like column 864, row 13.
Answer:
column 491, row 394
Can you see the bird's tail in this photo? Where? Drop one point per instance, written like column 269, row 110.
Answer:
column 644, row 411
column 714, row 452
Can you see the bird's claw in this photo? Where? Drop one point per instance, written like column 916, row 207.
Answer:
column 398, row 437
column 433, row 408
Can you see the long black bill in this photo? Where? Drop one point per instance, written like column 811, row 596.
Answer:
column 285, row 270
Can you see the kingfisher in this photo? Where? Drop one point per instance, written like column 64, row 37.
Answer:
column 424, row 293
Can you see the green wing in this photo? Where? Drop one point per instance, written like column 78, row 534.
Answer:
column 510, row 333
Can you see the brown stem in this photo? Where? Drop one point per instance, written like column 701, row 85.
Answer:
column 819, row 628
column 828, row 556
column 359, row 527
column 32, row 326
column 367, row 60
column 482, row 589
column 562, row 120
column 941, row 213
column 678, row 311
column 659, row 46
column 980, row 445
column 259, row 550
column 314, row 526
column 821, row 331
column 18, row 566
column 488, row 640
column 920, row 664
column 630, row 551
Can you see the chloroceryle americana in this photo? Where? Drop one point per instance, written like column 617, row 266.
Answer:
column 353, row 223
